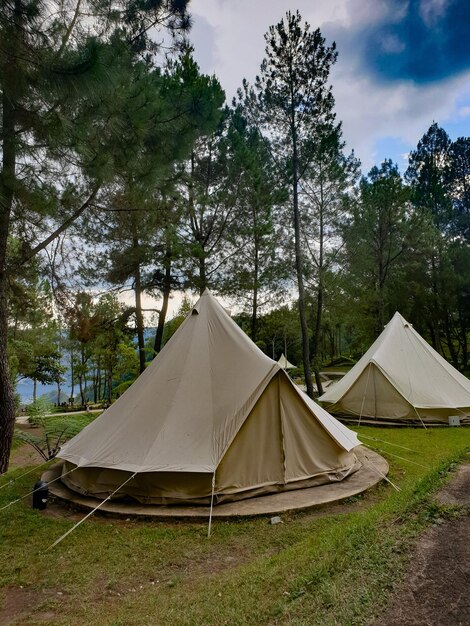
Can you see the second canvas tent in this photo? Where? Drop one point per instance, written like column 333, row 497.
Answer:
column 401, row 378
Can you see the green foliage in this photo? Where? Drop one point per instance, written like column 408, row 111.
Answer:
column 172, row 325
column 279, row 331
column 37, row 411
column 438, row 173
column 378, row 235
column 256, row 273
column 51, row 431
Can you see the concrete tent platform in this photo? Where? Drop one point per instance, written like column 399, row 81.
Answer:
column 374, row 467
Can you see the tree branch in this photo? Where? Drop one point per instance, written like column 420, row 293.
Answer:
column 32, row 253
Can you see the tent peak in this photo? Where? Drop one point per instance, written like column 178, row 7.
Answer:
column 399, row 317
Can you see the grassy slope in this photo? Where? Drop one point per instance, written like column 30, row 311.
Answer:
column 313, row 569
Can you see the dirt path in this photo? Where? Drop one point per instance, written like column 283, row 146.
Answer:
column 436, row 588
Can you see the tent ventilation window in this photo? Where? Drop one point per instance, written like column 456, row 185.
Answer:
column 194, row 312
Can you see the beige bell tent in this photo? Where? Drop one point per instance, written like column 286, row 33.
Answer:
column 284, row 363
column 212, row 416
column 401, row 377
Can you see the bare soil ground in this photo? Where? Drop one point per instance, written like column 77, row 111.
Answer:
column 435, row 590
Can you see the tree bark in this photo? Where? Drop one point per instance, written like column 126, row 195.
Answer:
column 299, row 265
column 316, row 337
column 163, row 311
column 7, row 182
column 7, row 396
column 318, row 316
column 254, row 309
column 138, row 311
column 202, row 272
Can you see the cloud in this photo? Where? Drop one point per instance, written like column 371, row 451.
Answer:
column 418, row 40
column 237, row 28
column 401, row 63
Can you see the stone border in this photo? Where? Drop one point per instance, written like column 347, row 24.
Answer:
column 373, row 469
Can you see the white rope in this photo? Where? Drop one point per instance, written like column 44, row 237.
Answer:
column 364, row 396
column 389, row 443
column 12, row 480
column 90, row 513
column 400, row 457
column 34, row 490
column 212, row 506
column 382, row 474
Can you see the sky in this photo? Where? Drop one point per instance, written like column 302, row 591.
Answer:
column 402, row 64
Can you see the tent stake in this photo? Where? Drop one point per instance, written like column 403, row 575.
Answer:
column 212, row 506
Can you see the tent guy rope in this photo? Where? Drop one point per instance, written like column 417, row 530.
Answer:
column 57, row 541
column 34, row 490
column 389, row 443
column 33, row 469
column 381, row 473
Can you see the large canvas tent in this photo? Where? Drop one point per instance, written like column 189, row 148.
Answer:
column 211, row 416
column 401, row 377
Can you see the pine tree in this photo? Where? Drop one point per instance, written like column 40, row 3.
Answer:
column 58, row 66
column 290, row 101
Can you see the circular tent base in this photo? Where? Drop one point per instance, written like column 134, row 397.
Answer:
column 373, row 469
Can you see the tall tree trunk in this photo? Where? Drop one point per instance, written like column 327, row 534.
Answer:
column 7, row 396
column 84, row 379
column 7, row 182
column 316, row 337
column 202, row 272
column 99, row 383
column 436, row 306
column 299, row 266
column 35, row 386
column 138, row 312
column 72, row 377
column 254, row 308
column 463, row 332
column 105, row 386
column 318, row 316
column 80, row 386
column 95, row 385
column 163, row 311
column 450, row 344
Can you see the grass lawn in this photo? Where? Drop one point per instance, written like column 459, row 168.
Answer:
column 331, row 566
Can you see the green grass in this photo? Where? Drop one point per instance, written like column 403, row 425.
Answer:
column 317, row 568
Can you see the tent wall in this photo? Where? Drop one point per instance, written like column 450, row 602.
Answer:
column 148, row 488
column 281, row 446
column 373, row 396
column 309, row 450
